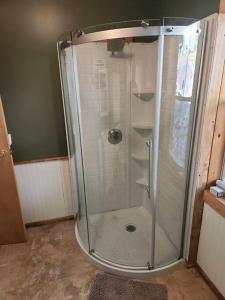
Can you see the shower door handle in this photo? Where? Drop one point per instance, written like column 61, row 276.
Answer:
column 149, row 145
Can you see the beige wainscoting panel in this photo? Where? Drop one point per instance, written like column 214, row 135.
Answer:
column 45, row 190
column 211, row 252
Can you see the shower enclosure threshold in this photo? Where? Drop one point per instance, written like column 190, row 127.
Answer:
column 125, row 271
column 122, row 235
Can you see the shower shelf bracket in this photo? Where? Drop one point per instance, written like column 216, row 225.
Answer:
column 142, row 125
column 145, row 96
column 142, row 182
column 140, row 156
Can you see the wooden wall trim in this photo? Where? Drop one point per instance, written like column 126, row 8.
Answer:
column 214, row 58
column 209, row 283
column 33, row 161
column 218, row 146
column 50, row 221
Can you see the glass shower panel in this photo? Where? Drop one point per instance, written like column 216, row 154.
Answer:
column 104, row 106
column 181, row 65
column 117, row 81
column 73, row 134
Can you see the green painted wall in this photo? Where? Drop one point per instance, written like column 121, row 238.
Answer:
column 29, row 77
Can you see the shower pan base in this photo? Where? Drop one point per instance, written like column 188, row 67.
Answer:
column 109, row 235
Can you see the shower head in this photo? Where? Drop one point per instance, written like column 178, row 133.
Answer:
column 115, row 45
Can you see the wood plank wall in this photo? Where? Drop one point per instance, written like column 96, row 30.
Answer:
column 214, row 58
column 222, row 7
column 218, row 145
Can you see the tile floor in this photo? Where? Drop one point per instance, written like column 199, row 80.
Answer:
column 51, row 266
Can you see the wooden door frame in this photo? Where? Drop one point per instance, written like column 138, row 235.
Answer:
column 12, row 226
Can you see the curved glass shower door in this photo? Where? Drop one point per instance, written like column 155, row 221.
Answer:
column 130, row 104
column 117, row 85
column 180, row 77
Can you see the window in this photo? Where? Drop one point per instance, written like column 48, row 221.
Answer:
column 184, row 87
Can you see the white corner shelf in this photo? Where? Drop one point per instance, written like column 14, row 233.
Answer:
column 140, row 156
column 142, row 125
column 142, row 182
column 144, row 96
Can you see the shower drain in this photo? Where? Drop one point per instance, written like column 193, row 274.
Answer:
column 130, row 228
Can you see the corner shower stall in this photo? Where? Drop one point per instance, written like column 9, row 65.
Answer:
column 130, row 100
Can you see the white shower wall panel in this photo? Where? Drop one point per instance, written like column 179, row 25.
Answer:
column 143, row 80
column 107, row 85
column 104, row 83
